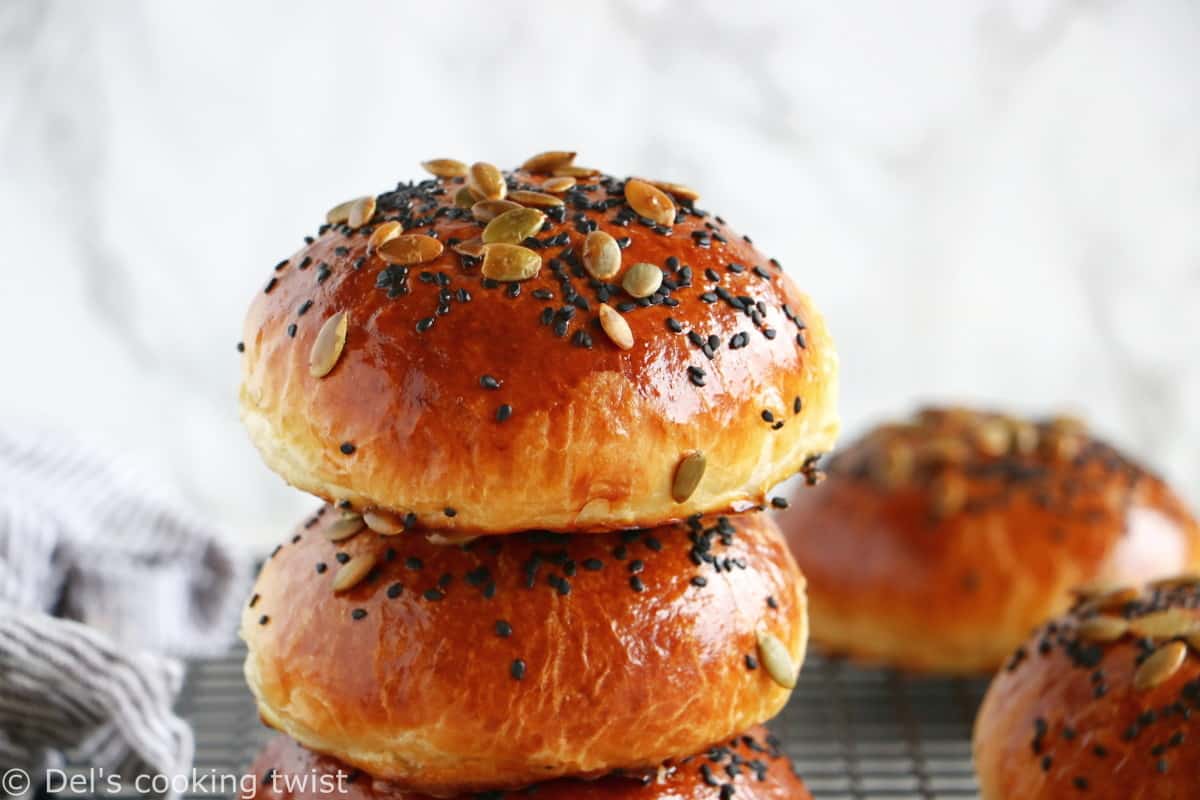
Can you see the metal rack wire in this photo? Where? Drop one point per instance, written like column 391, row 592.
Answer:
column 854, row 734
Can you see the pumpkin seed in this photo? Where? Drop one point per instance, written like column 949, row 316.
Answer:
column 945, row 449
column 650, row 202
column 616, row 327
column 572, row 171
column 341, row 212
column 642, row 279
column 1096, row 589
column 1068, row 423
column 548, row 161
column 472, row 247
column 559, row 184
column 687, row 475
column 1113, row 599
column 1064, row 446
column 445, row 167
column 1160, row 666
column 1025, row 436
column 514, row 226
column 535, row 199
column 1166, row 624
column 385, row 523
column 464, row 198
column 1103, row 628
column 892, row 465
column 1185, row 581
column 449, row 540
column 677, row 190
column 487, row 181
column 353, row 571
column 509, row 262
column 775, row 657
column 385, row 232
column 601, row 255
column 361, row 212
column 410, row 249
column 948, row 494
column 344, row 528
column 327, row 347
column 992, row 437
column 487, row 210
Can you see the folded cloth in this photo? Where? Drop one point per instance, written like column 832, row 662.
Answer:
column 105, row 581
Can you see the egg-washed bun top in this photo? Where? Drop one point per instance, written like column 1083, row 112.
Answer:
column 549, row 347
column 510, row 660
column 937, row 543
column 748, row 767
column 1102, row 703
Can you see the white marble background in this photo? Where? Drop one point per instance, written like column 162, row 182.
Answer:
column 991, row 200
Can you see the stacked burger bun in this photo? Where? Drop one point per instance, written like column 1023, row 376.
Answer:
column 544, row 409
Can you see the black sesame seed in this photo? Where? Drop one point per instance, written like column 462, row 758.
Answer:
column 321, row 567
column 779, row 502
column 517, row 670
column 395, row 590
column 488, row 382
column 425, row 324
column 503, row 412
column 636, row 566
column 593, row 564
column 342, row 558
column 751, row 662
column 699, row 580
column 503, row 629
column 636, row 584
column 291, row 330
column 413, row 563
column 358, row 613
column 264, row 619
column 433, row 595
column 347, row 448
column 449, row 512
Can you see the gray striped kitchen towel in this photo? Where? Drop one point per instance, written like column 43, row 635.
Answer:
column 105, row 582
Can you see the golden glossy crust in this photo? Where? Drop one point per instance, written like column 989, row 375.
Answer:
column 521, row 658
column 751, row 764
column 594, row 434
column 1071, row 716
column 937, row 545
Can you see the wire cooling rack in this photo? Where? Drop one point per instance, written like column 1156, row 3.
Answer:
column 854, row 734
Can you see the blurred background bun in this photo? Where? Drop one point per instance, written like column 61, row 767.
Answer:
column 938, row 542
